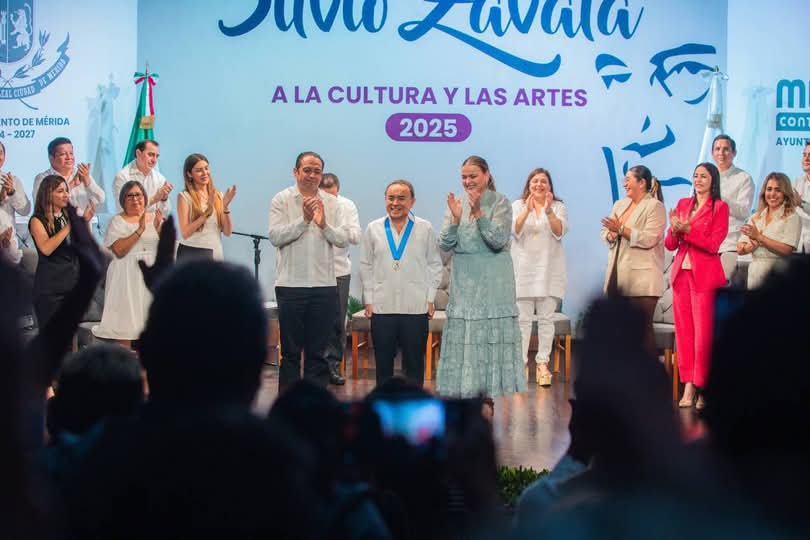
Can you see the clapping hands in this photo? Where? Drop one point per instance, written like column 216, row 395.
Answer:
column 89, row 212
column 455, row 207
column 83, row 173
column 751, row 231
column 314, row 211
column 679, row 226
column 230, row 193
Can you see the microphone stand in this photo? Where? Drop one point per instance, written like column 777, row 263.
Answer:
column 257, row 253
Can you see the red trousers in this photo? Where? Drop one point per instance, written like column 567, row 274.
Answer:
column 694, row 317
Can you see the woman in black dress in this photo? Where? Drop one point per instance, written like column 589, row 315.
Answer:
column 57, row 264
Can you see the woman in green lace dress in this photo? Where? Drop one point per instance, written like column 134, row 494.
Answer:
column 481, row 348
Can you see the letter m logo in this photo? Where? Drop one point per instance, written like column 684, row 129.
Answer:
column 791, row 89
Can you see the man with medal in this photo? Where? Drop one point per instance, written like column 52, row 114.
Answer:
column 400, row 269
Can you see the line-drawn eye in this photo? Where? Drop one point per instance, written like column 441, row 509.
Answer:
column 663, row 74
column 609, row 61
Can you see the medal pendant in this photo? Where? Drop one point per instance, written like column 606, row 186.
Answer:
column 396, row 265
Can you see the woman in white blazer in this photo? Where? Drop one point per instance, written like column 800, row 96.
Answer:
column 539, row 221
column 634, row 232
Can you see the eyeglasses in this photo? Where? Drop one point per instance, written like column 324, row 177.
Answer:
column 134, row 196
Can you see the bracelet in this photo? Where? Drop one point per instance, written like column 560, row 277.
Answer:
column 226, row 211
column 11, row 193
column 138, row 233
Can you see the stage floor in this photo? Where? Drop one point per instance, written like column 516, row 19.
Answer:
column 531, row 429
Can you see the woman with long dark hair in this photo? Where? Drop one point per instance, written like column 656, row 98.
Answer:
column 634, row 232
column 698, row 225
column 539, row 221
column 57, row 263
column 202, row 212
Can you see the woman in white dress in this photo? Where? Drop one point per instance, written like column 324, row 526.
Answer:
column 202, row 212
column 132, row 236
column 538, row 224
column 773, row 232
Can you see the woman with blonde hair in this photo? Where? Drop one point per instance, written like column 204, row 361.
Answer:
column 57, row 263
column 539, row 221
column 202, row 212
column 773, row 231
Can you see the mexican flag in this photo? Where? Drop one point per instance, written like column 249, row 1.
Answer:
column 143, row 127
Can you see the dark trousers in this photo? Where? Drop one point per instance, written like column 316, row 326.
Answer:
column 306, row 317
column 334, row 351
column 409, row 333
column 45, row 306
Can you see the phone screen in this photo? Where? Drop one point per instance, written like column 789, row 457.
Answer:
column 418, row 421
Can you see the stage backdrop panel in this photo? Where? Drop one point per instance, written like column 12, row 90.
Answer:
column 769, row 85
column 386, row 90
column 66, row 70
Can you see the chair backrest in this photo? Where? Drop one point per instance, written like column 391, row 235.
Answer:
column 663, row 309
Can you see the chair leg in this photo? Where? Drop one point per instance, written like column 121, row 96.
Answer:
column 343, row 365
column 668, row 361
column 567, row 358
column 368, row 353
column 675, row 376
column 429, row 357
column 556, row 348
column 355, row 355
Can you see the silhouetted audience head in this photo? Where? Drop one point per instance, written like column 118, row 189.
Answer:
column 316, row 417
column 205, row 339
column 25, row 501
column 758, row 392
column 197, row 475
column 623, row 401
column 97, row 382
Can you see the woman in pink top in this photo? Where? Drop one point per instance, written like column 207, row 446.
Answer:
column 698, row 225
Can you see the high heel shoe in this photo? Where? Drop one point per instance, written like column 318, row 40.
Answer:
column 488, row 408
column 686, row 403
column 541, row 378
column 700, row 404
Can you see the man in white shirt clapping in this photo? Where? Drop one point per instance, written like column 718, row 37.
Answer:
column 142, row 169
column 84, row 192
column 400, row 269
column 305, row 225
column 330, row 183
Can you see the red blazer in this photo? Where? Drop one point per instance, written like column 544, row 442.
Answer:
column 708, row 230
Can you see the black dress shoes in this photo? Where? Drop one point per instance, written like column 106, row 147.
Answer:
column 334, row 374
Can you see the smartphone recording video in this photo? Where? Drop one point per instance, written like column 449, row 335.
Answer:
column 418, row 421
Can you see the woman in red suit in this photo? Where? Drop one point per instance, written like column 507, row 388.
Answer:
column 698, row 225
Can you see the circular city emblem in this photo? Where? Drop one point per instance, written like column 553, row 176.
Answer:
column 21, row 77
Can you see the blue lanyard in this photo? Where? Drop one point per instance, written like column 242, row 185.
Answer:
column 396, row 252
